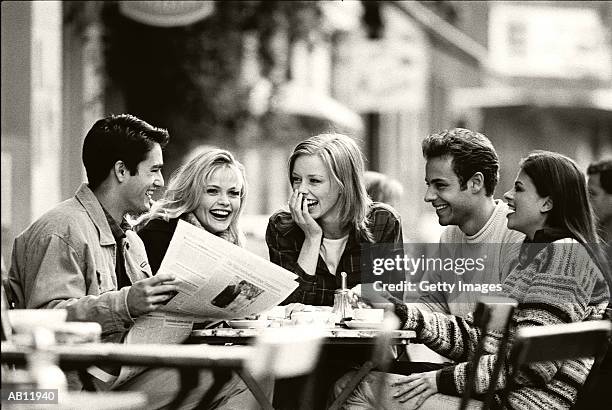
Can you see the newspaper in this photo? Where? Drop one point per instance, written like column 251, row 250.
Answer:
column 217, row 280
column 154, row 328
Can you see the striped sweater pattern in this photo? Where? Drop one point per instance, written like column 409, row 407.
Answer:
column 561, row 284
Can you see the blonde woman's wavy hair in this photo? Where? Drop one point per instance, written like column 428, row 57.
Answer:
column 344, row 161
column 187, row 185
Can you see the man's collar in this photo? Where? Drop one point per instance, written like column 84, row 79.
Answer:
column 116, row 229
column 93, row 207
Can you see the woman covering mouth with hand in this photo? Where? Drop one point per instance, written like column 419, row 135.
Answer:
column 207, row 192
column 330, row 216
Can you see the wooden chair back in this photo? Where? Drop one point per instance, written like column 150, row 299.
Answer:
column 492, row 313
column 561, row 342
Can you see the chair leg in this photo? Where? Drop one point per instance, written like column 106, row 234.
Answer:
column 585, row 391
column 348, row 389
column 308, row 392
column 465, row 398
column 190, row 378
column 506, row 392
column 383, row 367
column 255, row 388
column 380, row 386
column 86, row 380
column 501, row 357
column 221, row 377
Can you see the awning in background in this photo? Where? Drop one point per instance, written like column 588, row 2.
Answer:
column 167, row 13
column 445, row 31
column 302, row 100
column 483, row 97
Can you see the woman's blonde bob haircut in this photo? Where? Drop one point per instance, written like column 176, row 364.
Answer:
column 344, row 161
column 188, row 184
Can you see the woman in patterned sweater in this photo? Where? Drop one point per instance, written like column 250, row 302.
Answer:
column 558, row 280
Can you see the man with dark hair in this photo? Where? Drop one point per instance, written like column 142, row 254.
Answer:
column 461, row 174
column 78, row 257
column 118, row 137
column 600, row 191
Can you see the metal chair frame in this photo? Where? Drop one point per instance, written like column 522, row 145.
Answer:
column 560, row 342
column 490, row 314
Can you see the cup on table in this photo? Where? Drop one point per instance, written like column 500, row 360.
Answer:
column 276, row 315
column 276, row 312
column 369, row 315
column 320, row 318
column 25, row 320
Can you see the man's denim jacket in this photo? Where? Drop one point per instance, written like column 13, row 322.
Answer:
column 66, row 259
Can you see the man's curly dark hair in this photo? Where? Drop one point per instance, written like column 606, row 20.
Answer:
column 470, row 151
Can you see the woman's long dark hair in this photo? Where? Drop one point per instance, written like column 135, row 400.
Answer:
column 558, row 177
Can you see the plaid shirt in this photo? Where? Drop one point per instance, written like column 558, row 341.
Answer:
column 285, row 241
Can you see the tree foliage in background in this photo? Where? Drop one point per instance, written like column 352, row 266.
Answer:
column 188, row 79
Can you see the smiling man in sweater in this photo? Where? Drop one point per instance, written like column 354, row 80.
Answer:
column 461, row 174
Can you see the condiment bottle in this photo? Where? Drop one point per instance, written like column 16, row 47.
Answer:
column 342, row 304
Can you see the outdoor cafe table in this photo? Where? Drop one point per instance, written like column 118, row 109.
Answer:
column 149, row 355
column 333, row 338
column 188, row 358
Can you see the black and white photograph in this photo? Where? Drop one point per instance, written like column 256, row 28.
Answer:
column 306, row 134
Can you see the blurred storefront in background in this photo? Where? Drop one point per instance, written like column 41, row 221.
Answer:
column 549, row 84
column 257, row 77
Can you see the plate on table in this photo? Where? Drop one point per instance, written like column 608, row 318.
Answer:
column 358, row 324
column 249, row 324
